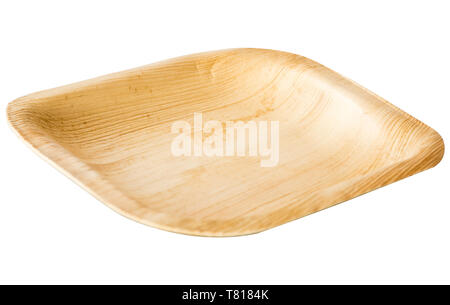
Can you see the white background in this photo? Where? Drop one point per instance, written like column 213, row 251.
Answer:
column 52, row 231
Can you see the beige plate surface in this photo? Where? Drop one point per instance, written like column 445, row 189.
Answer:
column 112, row 135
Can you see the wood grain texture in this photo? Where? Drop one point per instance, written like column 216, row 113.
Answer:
column 112, row 136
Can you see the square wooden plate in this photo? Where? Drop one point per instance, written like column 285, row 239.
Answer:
column 112, row 135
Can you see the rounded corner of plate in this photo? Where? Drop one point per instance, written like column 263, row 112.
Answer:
column 434, row 147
